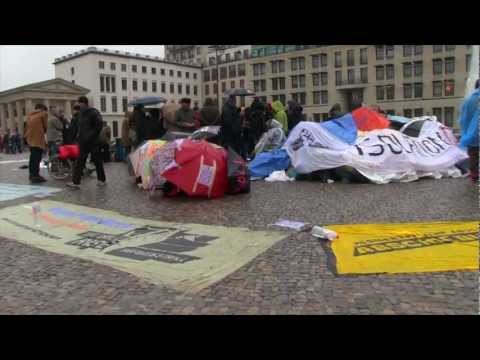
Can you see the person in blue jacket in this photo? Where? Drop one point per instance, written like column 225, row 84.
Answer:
column 469, row 129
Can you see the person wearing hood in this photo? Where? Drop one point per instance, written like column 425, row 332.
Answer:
column 273, row 139
column 209, row 114
column 335, row 112
column 54, row 132
column 231, row 126
column 280, row 115
column 294, row 114
column 469, row 118
column 37, row 123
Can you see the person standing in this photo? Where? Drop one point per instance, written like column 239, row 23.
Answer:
column 280, row 115
column 294, row 114
column 6, row 141
column 54, row 132
column 469, row 130
column 90, row 126
column 37, row 122
column 231, row 126
column 74, row 124
column 184, row 117
column 169, row 111
column 256, row 117
column 209, row 114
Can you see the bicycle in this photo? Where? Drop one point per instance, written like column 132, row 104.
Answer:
column 60, row 166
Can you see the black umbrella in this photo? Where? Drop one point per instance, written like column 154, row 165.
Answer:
column 205, row 133
column 238, row 92
column 148, row 100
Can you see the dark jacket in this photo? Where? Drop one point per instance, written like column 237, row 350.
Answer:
column 90, row 125
column 294, row 114
column 73, row 129
column 184, row 118
column 209, row 115
column 256, row 119
column 231, row 124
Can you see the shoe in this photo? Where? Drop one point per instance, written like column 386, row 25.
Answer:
column 101, row 183
column 37, row 180
column 73, row 186
column 42, row 179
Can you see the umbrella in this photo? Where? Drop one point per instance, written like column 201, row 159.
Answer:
column 200, row 169
column 238, row 92
column 368, row 119
column 205, row 133
column 174, row 135
column 141, row 158
column 147, row 100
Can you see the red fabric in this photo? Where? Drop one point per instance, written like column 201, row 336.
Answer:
column 194, row 173
column 368, row 119
column 70, row 152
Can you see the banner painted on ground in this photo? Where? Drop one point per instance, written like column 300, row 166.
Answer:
column 406, row 248
column 186, row 257
column 14, row 191
column 382, row 155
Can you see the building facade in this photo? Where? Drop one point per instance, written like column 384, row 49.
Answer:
column 409, row 80
column 17, row 103
column 204, row 55
column 115, row 78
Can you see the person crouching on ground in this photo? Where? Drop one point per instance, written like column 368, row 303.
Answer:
column 90, row 126
column 37, row 123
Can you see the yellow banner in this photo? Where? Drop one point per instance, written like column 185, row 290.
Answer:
column 406, row 248
column 186, row 257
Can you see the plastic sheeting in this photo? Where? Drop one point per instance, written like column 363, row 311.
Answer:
column 344, row 128
column 266, row 163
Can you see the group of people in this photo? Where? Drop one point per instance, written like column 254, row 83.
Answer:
column 240, row 128
column 47, row 129
column 11, row 141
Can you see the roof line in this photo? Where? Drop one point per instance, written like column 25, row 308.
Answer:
column 25, row 87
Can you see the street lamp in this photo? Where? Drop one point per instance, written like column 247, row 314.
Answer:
column 218, row 49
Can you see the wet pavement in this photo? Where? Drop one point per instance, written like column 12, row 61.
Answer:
column 292, row 277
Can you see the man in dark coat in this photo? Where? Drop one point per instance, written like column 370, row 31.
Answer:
column 231, row 126
column 294, row 114
column 209, row 114
column 90, row 126
column 256, row 121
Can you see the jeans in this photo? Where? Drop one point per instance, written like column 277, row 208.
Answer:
column 82, row 159
column 34, row 163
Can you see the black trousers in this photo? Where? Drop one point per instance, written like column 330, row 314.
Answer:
column 34, row 162
column 82, row 159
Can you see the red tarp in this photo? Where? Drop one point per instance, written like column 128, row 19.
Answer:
column 368, row 119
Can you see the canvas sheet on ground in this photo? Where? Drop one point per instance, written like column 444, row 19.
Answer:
column 14, row 191
column 186, row 257
column 406, row 248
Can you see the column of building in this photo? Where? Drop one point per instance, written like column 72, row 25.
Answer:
column 3, row 118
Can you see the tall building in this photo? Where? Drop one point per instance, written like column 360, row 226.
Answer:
column 204, row 54
column 115, row 78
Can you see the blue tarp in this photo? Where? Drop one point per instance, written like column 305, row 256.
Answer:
column 399, row 119
column 343, row 127
column 469, row 120
column 267, row 162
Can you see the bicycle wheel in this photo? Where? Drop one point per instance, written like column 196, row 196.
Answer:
column 59, row 169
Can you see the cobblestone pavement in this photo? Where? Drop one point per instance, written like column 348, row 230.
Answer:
column 291, row 277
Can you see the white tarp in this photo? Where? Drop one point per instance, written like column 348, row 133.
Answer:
column 382, row 155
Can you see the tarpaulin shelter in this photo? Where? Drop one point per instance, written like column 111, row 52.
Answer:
column 267, row 162
column 343, row 127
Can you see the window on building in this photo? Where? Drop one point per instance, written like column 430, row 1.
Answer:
column 407, row 91
column 407, row 113
column 449, row 87
column 194, row 76
column 380, row 92
column 407, row 50
column 144, row 69
column 316, row 97
column 407, row 70
column 324, row 78
column 154, row 86
column 207, row 90
column 263, row 84
column 418, row 112
column 301, row 63
column 224, row 86
column 350, row 58
column 241, row 70
column 232, row 84
column 436, row 49
column 195, row 90
column 390, row 51
column 187, row 75
column 103, row 104
column 281, row 83
column 154, row 71
column 72, row 70
column 171, row 73
column 364, row 56
column 323, row 60
column 449, row 65
column 274, row 84
column 437, row 66
column 324, row 97
column 134, row 68
column 364, row 75
column 351, row 76
column 302, row 97
column 162, row 71
column 315, row 61
column 380, row 52
column 274, row 65
column 380, row 72
column 338, row 77
column 124, row 104
column 102, row 83
column 172, row 88
column 179, row 74
column 437, row 88
column 115, row 128
column 134, row 85
column 227, row 57
column 338, row 58
column 223, row 72
column 242, row 83
column 294, row 81
column 390, row 70
column 294, row 64
column 418, row 49
column 418, row 68
column 390, row 90
column 418, row 90
column 124, row 84
column 114, row 104
column 144, row 85
column 206, row 75
column 163, row 87
column 113, row 66
column 232, row 71
column 468, row 61
column 449, row 47
column 448, row 112
column 301, row 81
column 101, row 65
column 437, row 112
column 316, row 79
column 245, row 54
column 179, row 89
column 214, row 74
column 215, row 88
column 187, row 89
column 123, row 67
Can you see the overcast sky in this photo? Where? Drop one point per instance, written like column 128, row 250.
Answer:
column 21, row 65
